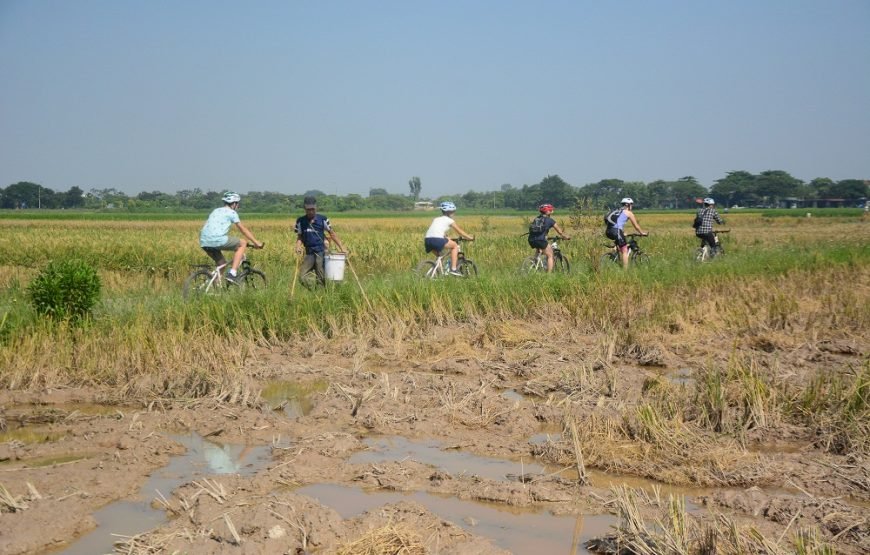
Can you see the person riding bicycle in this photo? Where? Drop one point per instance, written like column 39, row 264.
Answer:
column 436, row 239
column 704, row 224
column 311, row 231
column 538, row 230
column 214, row 239
column 615, row 221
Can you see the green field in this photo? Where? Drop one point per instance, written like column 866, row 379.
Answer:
column 142, row 326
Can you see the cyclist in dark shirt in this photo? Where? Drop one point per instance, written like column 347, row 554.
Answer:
column 538, row 231
column 311, row 231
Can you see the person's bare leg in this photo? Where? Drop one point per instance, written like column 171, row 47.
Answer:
column 237, row 257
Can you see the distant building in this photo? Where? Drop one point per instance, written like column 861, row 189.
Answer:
column 424, row 205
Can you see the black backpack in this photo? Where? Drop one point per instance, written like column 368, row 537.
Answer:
column 612, row 216
column 538, row 226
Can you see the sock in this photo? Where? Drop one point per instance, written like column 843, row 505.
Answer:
column 232, row 272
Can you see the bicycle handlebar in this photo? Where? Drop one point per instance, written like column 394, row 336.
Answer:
column 460, row 239
column 637, row 235
column 253, row 246
column 721, row 231
column 551, row 239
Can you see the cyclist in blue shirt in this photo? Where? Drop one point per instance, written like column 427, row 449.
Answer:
column 213, row 238
column 311, row 232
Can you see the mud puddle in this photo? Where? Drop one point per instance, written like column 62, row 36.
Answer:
column 435, row 453
column 295, row 399
column 520, row 531
column 131, row 517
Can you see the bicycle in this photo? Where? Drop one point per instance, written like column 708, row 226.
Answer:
column 432, row 269
column 705, row 253
column 208, row 280
column 635, row 254
column 538, row 261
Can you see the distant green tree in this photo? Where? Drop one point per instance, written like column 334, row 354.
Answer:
column 849, row 189
column 554, row 190
column 24, row 194
column 314, row 193
column 774, row 185
column 416, row 186
column 736, row 188
column 378, row 192
column 73, row 198
column 685, row 190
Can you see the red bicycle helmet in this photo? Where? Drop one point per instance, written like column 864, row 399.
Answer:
column 545, row 209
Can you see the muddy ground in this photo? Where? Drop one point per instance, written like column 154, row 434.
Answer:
column 497, row 396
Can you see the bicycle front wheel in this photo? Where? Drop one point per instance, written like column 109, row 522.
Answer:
column 199, row 283
column 254, row 279
column 530, row 265
column 426, row 269
column 560, row 263
column 467, row 268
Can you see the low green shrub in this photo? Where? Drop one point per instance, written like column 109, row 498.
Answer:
column 65, row 290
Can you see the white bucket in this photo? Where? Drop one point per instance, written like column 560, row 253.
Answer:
column 334, row 266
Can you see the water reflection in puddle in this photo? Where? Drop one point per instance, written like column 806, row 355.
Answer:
column 294, row 398
column 432, row 452
column 513, row 395
column 459, row 462
column 682, row 376
column 510, row 528
column 131, row 517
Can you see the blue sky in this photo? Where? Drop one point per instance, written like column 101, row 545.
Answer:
column 344, row 96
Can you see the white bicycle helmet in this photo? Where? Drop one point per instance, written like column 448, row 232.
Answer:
column 447, row 206
column 231, row 197
column 709, row 200
column 627, row 200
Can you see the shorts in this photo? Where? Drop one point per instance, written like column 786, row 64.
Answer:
column 215, row 252
column 435, row 244
column 617, row 235
column 538, row 243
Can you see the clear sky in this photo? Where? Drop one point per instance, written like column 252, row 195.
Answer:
column 344, row 96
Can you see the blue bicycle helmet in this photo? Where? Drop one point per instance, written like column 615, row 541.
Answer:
column 447, row 206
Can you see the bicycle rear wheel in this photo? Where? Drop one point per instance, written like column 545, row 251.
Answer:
column 530, row 265
column 199, row 283
column 609, row 259
column 426, row 269
column 467, row 268
column 701, row 254
column 254, row 279
column 639, row 258
column 560, row 263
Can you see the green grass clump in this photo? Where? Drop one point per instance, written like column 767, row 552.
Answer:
column 65, row 290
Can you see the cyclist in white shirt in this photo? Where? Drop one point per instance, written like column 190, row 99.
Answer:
column 213, row 238
column 436, row 237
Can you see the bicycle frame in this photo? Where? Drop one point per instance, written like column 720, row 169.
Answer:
column 440, row 266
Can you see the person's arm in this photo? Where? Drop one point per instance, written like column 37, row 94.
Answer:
column 634, row 223
column 335, row 239
column 248, row 235
column 461, row 232
column 718, row 218
column 559, row 231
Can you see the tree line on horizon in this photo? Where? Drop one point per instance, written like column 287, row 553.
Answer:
column 771, row 188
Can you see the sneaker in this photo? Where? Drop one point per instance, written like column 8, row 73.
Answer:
column 234, row 279
column 454, row 273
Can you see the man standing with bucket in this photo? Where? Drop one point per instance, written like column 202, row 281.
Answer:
column 311, row 231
